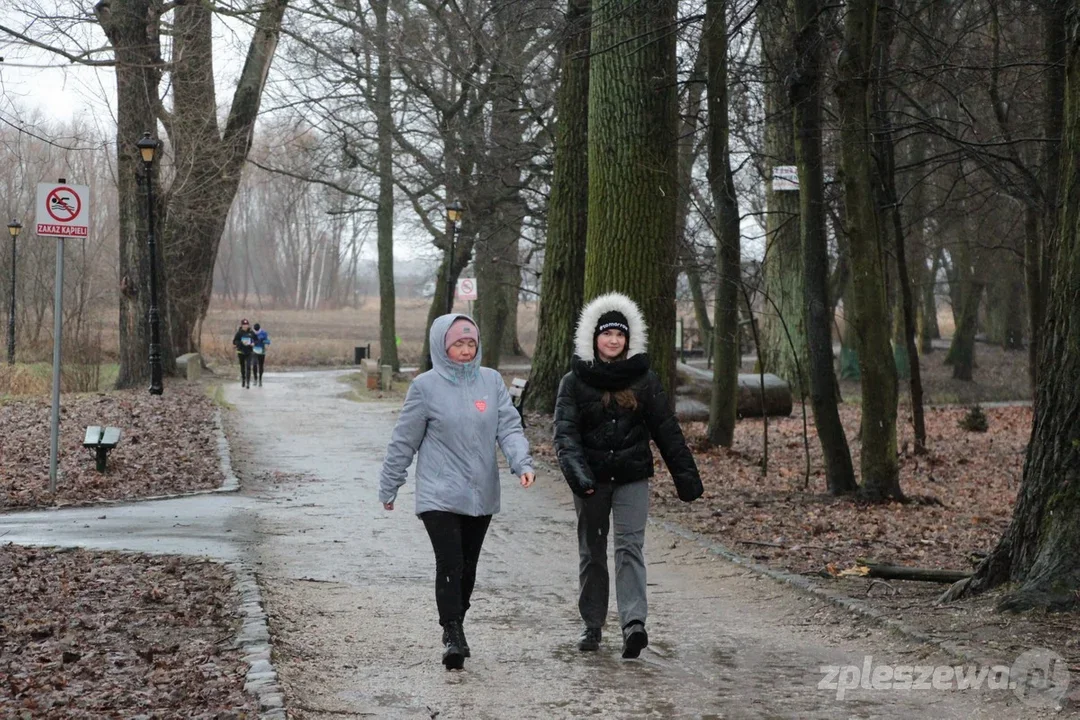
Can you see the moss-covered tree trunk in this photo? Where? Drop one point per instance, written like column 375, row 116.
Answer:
column 562, row 281
column 1040, row 551
column 880, row 474
column 783, row 330
column 726, row 352
column 633, row 165
column 967, row 296
column 806, row 101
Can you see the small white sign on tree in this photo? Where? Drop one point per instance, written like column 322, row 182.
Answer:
column 785, row 178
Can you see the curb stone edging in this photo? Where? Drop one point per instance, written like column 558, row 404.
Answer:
column 803, row 584
column 254, row 642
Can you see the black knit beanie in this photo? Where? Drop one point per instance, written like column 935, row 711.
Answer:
column 611, row 320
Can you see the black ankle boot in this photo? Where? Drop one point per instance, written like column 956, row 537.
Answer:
column 454, row 654
column 589, row 640
column 464, row 643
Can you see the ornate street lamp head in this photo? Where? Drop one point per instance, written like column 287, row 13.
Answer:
column 148, row 146
column 454, row 212
column 14, row 227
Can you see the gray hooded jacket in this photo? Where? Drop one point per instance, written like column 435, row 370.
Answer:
column 453, row 417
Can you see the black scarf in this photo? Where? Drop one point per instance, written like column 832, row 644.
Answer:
column 611, row 376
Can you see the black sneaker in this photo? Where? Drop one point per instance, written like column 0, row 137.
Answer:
column 635, row 639
column 453, row 654
column 589, row 640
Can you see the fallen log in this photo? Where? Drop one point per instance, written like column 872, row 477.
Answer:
column 696, row 383
column 900, row 572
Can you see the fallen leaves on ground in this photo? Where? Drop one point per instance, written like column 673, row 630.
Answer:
column 962, row 492
column 168, row 446
column 104, row 635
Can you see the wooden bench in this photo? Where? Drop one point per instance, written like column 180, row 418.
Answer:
column 518, row 389
column 101, row 440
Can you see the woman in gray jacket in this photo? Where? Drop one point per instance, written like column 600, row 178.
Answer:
column 453, row 417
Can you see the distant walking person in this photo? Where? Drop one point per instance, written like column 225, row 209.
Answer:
column 258, row 358
column 244, row 342
column 454, row 416
column 608, row 407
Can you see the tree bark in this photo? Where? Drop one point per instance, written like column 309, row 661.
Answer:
column 633, row 165
column 384, row 212
column 133, row 35
column 880, row 473
column 806, row 101
column 562, row 280
column 1040, row 551
column 783, row 323
column 726, row 356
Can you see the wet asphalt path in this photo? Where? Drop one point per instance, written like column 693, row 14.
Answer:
column 349, row 589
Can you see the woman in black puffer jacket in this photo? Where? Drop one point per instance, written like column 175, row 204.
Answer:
column 609, row 406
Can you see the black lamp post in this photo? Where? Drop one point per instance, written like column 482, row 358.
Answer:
column 14, row 227
column 453, row 217
column 148, row 146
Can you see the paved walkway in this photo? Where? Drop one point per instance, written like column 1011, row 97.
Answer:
column 348, row 587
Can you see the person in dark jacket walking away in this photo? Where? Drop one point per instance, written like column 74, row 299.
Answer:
column 244, row 342
column 608, row 407
column 258, row 356
column 453, row 417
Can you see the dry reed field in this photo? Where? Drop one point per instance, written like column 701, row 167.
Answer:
column 310, row 338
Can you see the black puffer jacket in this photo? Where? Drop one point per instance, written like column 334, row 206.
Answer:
column 598, row 442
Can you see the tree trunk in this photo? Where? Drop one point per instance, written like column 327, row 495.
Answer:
column 688, row 145
column 930, row 330
column 133, row 36
column 880, row 473
column 208, row 163
column 906, row 347
column 633, row 165
column 783, row 324
column 1040, row 551
column 727, row 358
column 806, row 100
column 562, row 280
column 384, row 212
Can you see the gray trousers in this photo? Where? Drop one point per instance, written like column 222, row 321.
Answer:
column 628, row 504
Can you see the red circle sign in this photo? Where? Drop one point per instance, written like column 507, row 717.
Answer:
column 63, row 204
column 466, row 287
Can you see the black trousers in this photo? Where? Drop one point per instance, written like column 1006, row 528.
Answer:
column 457, row 540
column 245, row 367
column 257, row 362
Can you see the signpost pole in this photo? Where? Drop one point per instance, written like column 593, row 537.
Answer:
column 58, row 319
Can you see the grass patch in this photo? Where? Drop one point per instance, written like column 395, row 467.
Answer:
column 358, row 390
column 217, row 394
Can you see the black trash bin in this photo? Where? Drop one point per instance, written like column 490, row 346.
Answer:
column 361, row 353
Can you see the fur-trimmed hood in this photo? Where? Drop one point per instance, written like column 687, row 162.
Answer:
column 590, row 315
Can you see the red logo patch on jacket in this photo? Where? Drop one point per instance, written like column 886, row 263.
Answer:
column 481, row 405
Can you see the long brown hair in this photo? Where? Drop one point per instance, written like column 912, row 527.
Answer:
column 624, row 398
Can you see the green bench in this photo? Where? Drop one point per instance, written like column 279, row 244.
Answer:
column 101, row 440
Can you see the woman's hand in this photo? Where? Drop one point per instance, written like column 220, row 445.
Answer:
column 527, row 479
column 388, row 506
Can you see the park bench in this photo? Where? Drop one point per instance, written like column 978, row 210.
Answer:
column 518, row 389
column 101, row 440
